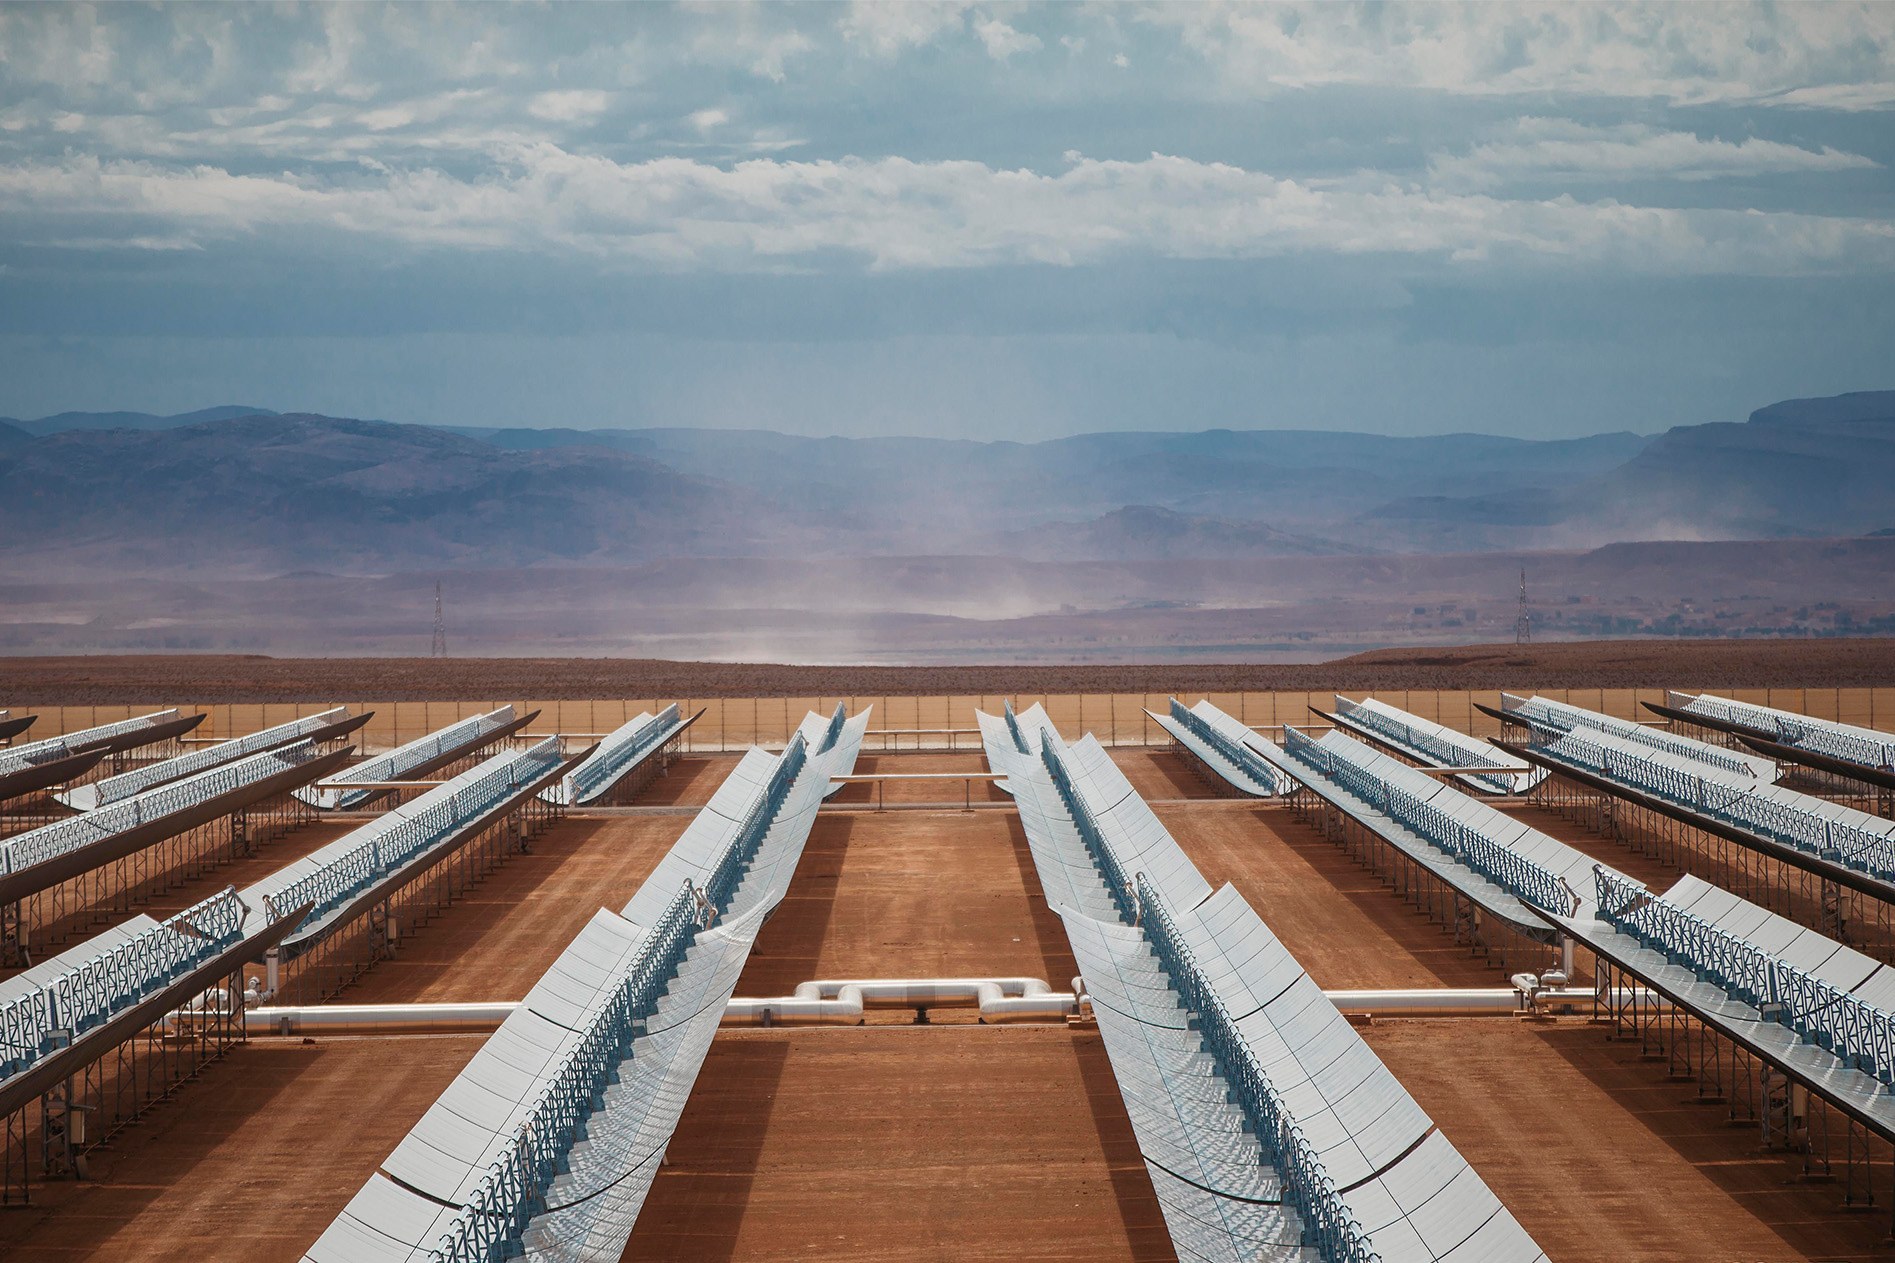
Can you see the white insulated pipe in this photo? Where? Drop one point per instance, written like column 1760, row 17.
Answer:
column 1470, row 1001
column 1430, row 1002
column 844, row 1002
column 377, row 1019
column 831, row 1002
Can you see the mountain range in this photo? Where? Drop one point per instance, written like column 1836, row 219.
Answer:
column 62, row 421
column 241, row 490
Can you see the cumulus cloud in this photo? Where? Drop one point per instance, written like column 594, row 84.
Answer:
column 387, row 118
column 756, row 37
column 72, row 46
column 888, row 29
column 332, row 83
column 893, row 214
column 1832, row 56
column 1840, row 55
column 493, row 128
column 326, row 64
column 159, row 244
column 1561, row 149
column 771, row 53
column 1839, row 96
column 1002, row 41
column 565, row 107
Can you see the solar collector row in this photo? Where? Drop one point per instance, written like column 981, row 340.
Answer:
column 1863, row 754
column 1325, row 1096
column 1510, row 870
column 103, row 990
column 107, row 988
column 1434, row 745
column 346, row 874
column 547, row 1143
column 606, row 1047
column 1818, row 1010
column 66, row 1012
column 838, row 739
column 1554, row 716
column 1221, row 1195
column 113, row 738
column 41, row 858
column 80, row 989
column 416, row 759
column 339, row 881
column 41, row 764
column 1850, row 847
column 58, row 1017
column 1268, row 1128
column 1011, row 740
column 618, row 755
column 1221, row 744
column 320, row 729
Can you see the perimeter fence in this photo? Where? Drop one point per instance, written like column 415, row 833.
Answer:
column 939, row 722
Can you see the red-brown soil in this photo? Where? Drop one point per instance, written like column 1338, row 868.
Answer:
column 911, row 895
column 275, row 854
column 688, row 782
column 213, row 678
column 1165, row 774
column 914, row 1143
column 494, row 942
column 1601, row 1156
column 250, row 1163
column 1339, row 919
column 942, row 792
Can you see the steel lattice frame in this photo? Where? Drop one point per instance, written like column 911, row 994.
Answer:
column 74, row 908
column 1851, row 916
column 342, row 957
column 1420, row 887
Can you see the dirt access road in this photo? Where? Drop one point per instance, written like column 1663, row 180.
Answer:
column 109, row 680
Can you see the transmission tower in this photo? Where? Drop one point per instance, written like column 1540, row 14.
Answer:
column 440, row 625
column 1523, row 624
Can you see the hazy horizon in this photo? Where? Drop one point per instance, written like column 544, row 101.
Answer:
column 528, row 424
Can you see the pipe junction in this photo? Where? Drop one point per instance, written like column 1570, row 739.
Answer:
column 843, row 1002
column 846, row 1002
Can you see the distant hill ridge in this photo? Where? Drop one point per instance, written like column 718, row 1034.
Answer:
column 61, row 422
column 1861, row 405
column 241, row 486
column 266, row 492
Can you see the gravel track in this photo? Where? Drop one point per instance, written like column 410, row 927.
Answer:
column 109, row 680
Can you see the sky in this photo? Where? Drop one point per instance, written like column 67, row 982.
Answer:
column 972, row 220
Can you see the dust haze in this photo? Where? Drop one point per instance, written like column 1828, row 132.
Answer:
column 256, row 532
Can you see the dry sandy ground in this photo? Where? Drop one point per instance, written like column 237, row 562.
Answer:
column 940, row 1143
column 1602, row 1157
column 107, row 680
